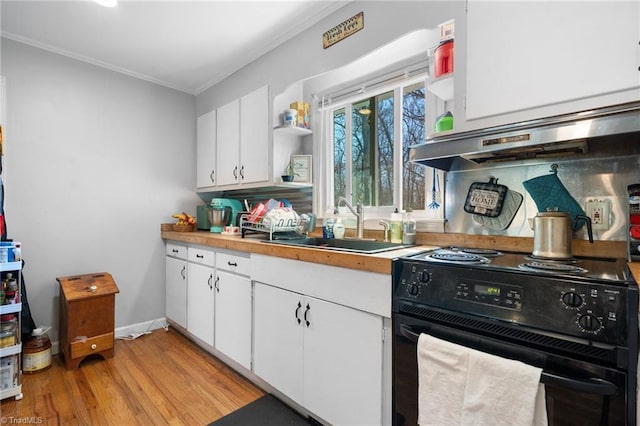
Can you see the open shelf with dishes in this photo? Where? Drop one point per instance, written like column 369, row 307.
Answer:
column 11, row 329
column 440, row 84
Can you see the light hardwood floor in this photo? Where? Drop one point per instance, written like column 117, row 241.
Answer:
column 161, row 378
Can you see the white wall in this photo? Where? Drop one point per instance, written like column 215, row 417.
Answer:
column 96, row 160
column 303, row 56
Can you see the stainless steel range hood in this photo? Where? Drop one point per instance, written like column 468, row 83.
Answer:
column 558, row 136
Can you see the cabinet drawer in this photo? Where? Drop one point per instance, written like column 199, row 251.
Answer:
column 176, row 250
column 95, row 344
column 234, row 262
column 201, row 256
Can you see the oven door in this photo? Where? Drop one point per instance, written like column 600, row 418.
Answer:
column 577, row 392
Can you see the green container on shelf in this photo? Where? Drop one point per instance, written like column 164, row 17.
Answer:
column 443, row 122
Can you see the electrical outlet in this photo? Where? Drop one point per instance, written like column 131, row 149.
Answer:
column 598, row 211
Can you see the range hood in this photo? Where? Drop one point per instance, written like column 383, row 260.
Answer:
column 558, row 136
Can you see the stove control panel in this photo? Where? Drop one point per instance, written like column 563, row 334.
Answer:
column 414, row 280
column 597, row 310
column 589, row 309
column 501, row 295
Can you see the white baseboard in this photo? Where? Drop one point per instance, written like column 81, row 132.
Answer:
column 141, row 327
column 127, row 331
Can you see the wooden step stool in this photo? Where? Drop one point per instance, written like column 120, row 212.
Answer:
column 87, row 311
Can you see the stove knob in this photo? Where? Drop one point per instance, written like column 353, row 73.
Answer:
column 424, row 277
column 413, row 289
column 572, row 300
column 589, row 322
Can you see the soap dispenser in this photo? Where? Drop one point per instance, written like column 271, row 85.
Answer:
column 338, row 229
column 396, row 227
column 408, row 229
column 327, row 225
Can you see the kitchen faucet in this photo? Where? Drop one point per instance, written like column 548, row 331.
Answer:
column 358, row 212
column 385, row 226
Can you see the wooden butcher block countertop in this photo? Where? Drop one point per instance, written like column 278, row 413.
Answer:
column 381, row 262
column 635, row 270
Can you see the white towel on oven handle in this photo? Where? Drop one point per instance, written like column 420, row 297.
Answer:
column 462, row 386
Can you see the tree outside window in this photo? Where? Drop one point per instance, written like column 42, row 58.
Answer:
column 413, row 132
column 367, row 168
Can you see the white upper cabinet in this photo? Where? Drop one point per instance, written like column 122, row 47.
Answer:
column 228, row 143
column 206, row 152
column 254, row 136
column 527, row 60
column 233, row 143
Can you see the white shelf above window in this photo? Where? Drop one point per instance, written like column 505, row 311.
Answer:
column 293, row 130
column 442, row 87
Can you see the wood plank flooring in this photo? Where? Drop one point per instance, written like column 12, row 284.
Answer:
column 161, row 378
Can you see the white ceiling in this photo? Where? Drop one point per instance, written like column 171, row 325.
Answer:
column 185, row 45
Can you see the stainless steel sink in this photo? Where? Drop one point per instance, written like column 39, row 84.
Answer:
column 348, row 245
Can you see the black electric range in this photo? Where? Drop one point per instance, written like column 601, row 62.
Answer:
column 576, row 318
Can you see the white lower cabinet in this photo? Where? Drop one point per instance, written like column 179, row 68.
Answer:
column 200, row 302
column 325, row 356
column 218, row 301
column 233, row 318
column 316, row 333
column 278, row 330
column 200, row 295
column 176, row 284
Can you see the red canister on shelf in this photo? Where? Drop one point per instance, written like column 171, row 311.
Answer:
column 443, row 59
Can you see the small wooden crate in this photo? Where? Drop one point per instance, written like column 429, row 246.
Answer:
column 87, row 316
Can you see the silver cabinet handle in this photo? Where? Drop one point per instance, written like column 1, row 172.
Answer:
column 235, row 172
column 182, row 273
column 242, row 172
column 212, row 176
column 209, row 281
column 217, row 284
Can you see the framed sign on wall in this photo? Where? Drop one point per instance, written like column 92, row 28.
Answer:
column 302, row 167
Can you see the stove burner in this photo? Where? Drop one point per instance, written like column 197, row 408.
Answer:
column 457, row 257
column 551, row 267
column 481, row 251
column 551, row 260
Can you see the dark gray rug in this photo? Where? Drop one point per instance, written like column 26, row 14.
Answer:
column 264, row 411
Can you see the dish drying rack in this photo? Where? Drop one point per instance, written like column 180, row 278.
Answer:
column 272, row 229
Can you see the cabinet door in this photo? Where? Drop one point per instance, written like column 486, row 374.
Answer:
column 228, row 143
column 254, row 136
column 523, row 55
column 206, row 152
column 200, row 302
column 342, row 362
column 278, row 339
column 176, row 291
column 233, row 317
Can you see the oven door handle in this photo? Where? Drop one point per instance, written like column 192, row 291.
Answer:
column 592, row 385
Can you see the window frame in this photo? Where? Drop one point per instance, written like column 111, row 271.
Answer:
column 326, row 198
